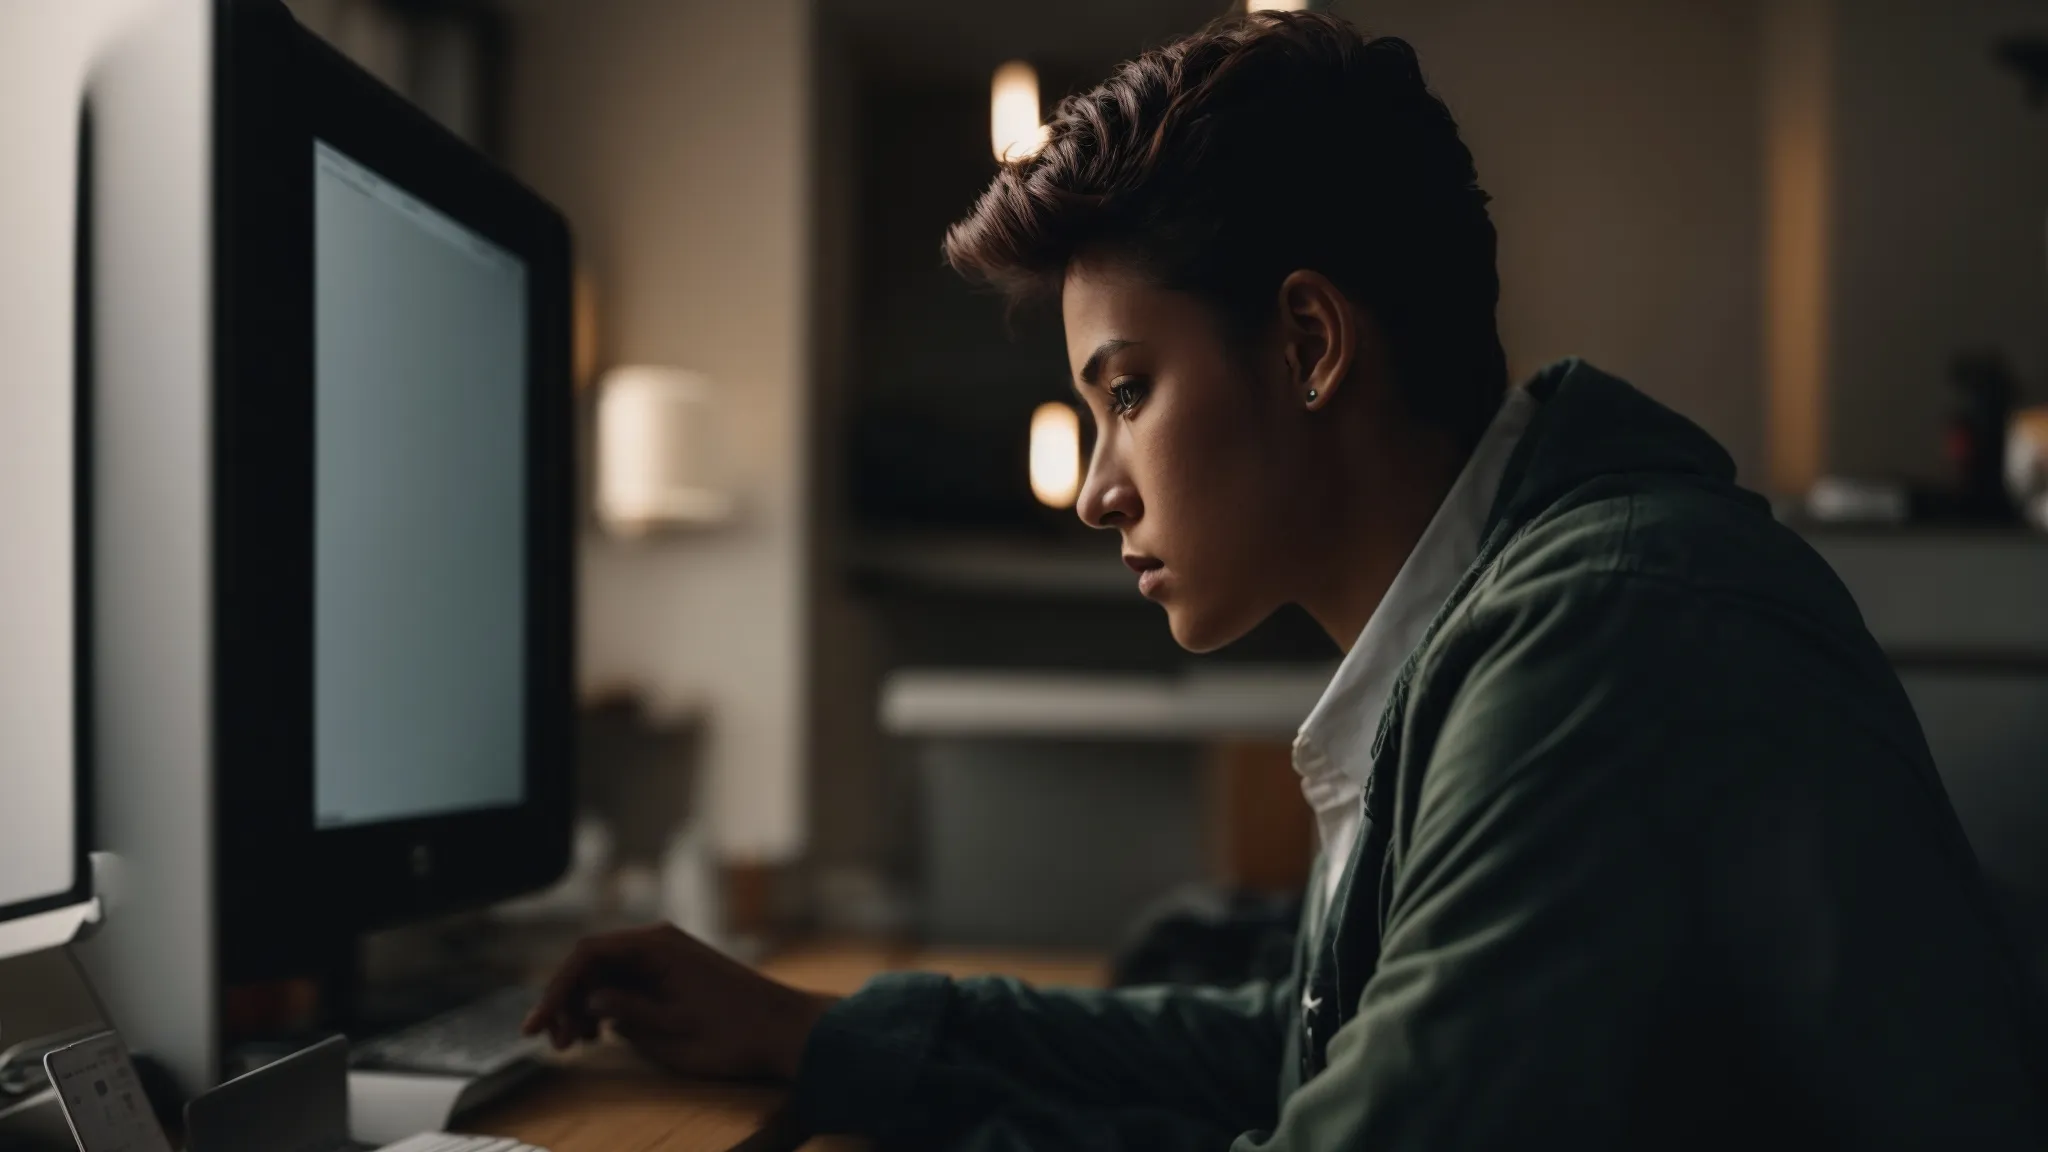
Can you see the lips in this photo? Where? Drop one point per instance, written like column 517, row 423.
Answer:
column 1150, row 569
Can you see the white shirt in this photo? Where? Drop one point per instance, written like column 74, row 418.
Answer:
column 1333, row 751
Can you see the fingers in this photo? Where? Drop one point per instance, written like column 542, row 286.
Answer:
column 630, row 1013
column 560, row 1011
column 661, row 1034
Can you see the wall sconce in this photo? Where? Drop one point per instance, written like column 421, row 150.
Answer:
column 1014, row 128
column 658, row 451
column 1055, row 455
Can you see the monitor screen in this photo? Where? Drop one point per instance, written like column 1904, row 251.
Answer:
column 420, row 504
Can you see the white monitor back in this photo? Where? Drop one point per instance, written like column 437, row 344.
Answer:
column 44, row 50
column 151, row 91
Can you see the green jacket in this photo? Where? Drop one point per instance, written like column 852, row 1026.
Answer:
column 1654, row 856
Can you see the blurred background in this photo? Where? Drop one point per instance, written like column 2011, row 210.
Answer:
column 853, row 670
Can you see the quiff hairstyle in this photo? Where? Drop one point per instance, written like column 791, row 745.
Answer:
column 1266, row 143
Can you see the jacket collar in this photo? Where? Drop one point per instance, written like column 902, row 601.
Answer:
column 1340, row 730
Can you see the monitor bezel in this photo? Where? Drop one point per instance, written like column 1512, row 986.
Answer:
column 291, row 887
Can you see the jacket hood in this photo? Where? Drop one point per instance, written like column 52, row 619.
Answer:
column 1591, row 425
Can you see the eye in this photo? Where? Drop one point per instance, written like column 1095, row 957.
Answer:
column 1125, row 394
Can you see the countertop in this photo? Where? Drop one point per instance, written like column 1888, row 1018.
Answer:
column 1225, row 703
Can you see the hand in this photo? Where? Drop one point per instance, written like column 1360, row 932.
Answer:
column 684, row 1005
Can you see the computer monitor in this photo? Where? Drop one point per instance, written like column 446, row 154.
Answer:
column 333, row 589
column 396, row 682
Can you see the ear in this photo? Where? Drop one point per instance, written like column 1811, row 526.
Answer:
column 1320, row 330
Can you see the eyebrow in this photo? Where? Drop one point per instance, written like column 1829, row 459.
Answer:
column 1091, row 372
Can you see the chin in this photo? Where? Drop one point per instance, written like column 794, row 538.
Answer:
column 1205, row 631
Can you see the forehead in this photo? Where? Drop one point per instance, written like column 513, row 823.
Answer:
column 1102, row 301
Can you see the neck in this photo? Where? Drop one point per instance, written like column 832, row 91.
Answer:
column 1381, row 507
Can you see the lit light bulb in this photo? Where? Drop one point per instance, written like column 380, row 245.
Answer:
column 1014, row 130
column 1276, row 5
column 1055, row 455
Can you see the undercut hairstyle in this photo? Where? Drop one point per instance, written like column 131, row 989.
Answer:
column 1264, row 144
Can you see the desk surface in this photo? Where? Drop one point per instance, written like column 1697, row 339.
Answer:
column 605, row 1099
column 608, row 1100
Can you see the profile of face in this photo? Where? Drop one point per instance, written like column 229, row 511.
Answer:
column 1205, row 454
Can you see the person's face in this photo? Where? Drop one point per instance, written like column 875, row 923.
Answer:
column 1195, row 453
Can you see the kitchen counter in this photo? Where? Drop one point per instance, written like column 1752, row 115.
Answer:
column 1253, row 703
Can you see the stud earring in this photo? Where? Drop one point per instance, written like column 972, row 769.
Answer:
column 1311, row 395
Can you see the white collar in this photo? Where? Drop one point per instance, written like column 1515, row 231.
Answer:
column 1340, row 729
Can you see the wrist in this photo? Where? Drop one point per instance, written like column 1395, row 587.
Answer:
column 799, row 1018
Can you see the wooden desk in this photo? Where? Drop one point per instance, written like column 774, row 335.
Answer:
column 606, row 1099
column 609, row 1100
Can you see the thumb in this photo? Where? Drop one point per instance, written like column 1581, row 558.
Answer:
column 629, row 1012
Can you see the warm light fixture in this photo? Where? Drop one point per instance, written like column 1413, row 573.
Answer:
column 1055, row 455
column 1276, row 5
column 657, row 451
column 1014, row 130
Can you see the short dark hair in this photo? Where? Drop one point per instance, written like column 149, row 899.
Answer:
column 1266, row 143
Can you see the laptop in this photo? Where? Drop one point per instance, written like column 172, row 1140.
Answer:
column 297, row 1104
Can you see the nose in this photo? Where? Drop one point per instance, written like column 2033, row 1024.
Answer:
column 1108, row 499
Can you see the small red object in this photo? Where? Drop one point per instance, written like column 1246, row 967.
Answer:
column 1961, row 447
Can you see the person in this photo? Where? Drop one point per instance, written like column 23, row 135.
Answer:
column 1630, row 838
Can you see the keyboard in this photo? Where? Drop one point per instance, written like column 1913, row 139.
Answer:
column 477, row 1039
column 443, row 1142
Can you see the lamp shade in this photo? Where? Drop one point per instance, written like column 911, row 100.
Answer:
column 657, row 451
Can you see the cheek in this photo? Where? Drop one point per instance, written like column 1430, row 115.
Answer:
column 1211, row 477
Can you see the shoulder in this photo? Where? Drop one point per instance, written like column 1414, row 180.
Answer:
column 1649, row 546
column 1640, row 600
column 1639, row 585
column 1592, row 649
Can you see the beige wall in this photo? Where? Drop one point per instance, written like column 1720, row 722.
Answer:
column 1783, row 218
column 675, row 134
column 1939, row 189
column 1619, row 140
